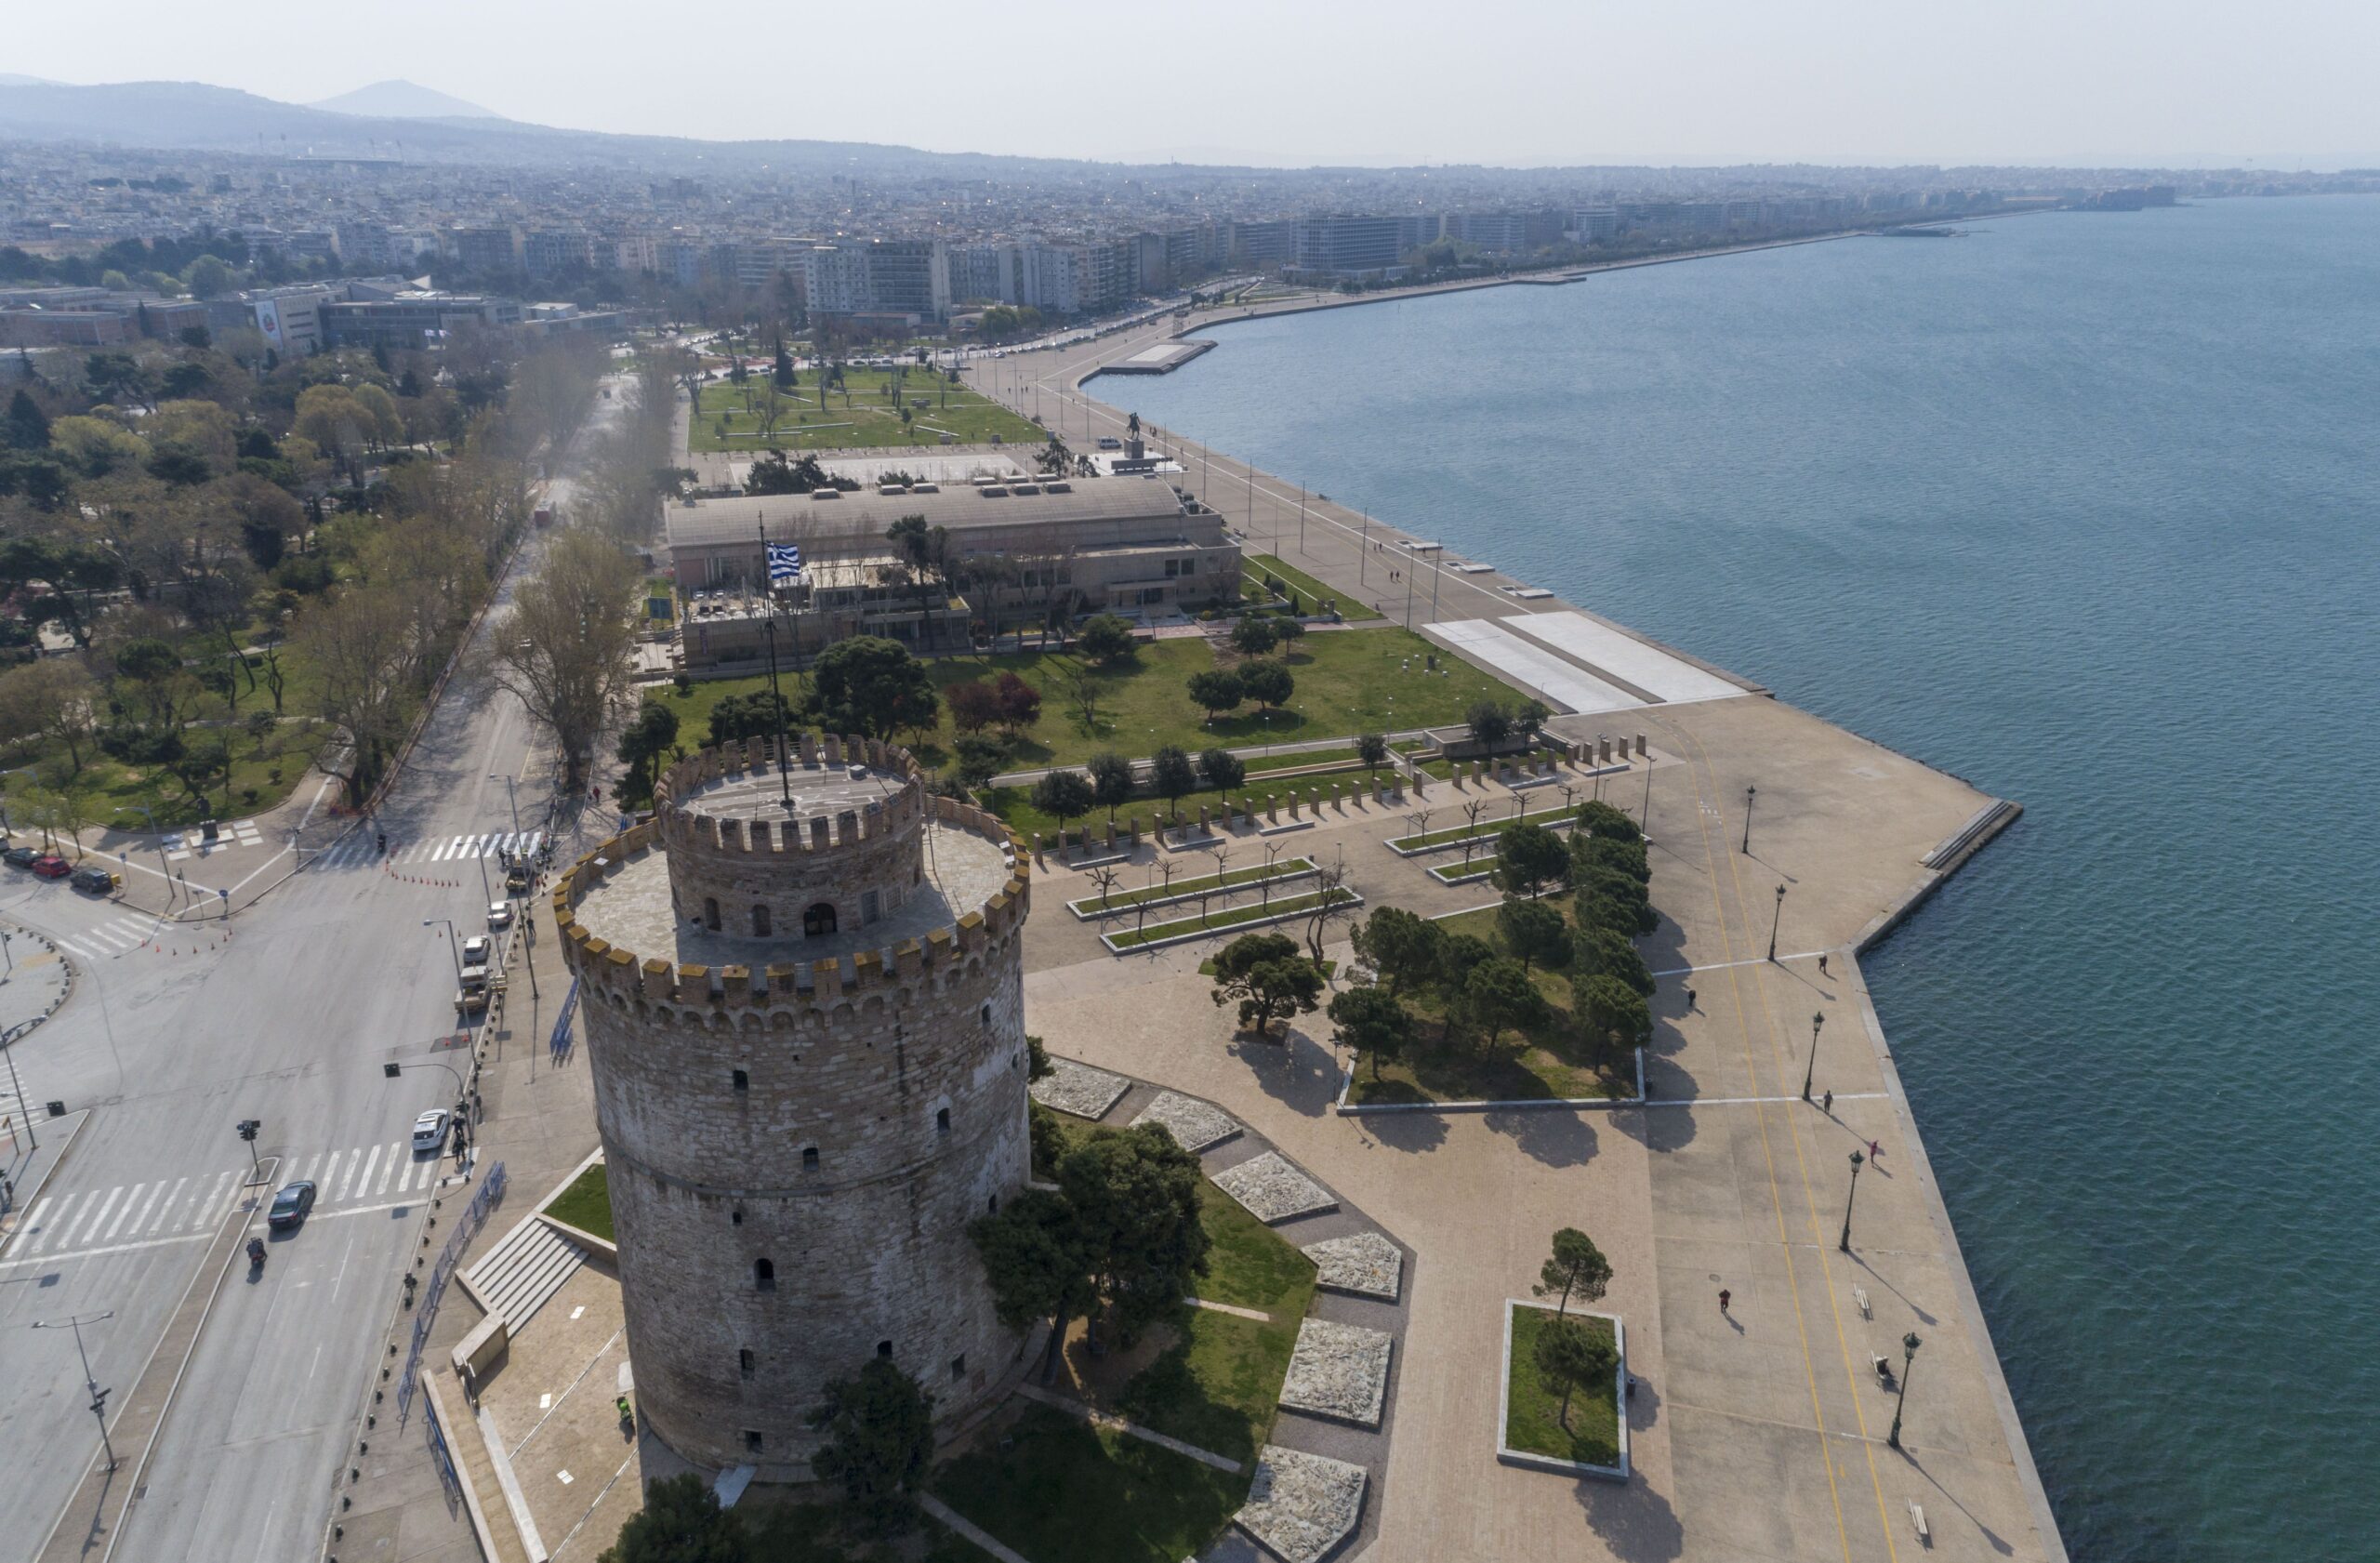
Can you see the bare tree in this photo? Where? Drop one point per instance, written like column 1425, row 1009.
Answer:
column 1329, row 881
column 360, row 646
column 1104, row 877
column 1471, row 813
column 568, row 651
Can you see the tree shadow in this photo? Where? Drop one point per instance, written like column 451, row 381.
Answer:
column 1635, row 1522
column 1412, row 1132
column 1555, row 1136
column 1296, row 1071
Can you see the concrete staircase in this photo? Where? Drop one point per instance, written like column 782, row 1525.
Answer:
column 518, row 1275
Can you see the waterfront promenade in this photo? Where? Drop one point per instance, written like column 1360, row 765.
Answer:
column 1759, row 1434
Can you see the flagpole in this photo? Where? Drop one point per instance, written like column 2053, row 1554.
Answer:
column 776, row 701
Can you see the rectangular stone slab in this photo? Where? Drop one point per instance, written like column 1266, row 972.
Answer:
column 1195, row 1125
column 1079, row 1089
column 1272, row 1190
column 1300, row 1506
column 1366, row 1265
column 1339, row 1372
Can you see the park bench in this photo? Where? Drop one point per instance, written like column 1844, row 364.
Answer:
column 1860, row 1295
column 1917, row 1523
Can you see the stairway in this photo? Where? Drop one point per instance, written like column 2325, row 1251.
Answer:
column 517, row 1275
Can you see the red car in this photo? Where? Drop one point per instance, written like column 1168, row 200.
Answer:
column 52, row 866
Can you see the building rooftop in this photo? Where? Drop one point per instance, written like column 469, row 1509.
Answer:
column 632, row 910
column 818, row 791
column 865, row 513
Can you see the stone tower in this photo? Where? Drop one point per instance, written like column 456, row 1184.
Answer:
column 805, row 1022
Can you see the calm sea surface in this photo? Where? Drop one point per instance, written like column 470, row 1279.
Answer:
column 2085, row 508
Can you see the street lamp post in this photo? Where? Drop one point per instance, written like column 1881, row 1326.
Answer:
column 1817, row 1020
column 99, row 1396
column 18, row 1090
column 1776, row 919
column 514, row 798
column 1908, row 1344
column 1857, row 1160
column 1748, row 796
column 452, row 947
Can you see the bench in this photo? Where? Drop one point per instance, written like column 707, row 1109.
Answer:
column 1917, row 1523
column 1860, row 1295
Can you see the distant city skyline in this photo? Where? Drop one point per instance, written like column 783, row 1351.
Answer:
column 1523, row 85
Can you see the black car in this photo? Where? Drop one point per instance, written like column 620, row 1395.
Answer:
column 289, row 1206
column 20, row 857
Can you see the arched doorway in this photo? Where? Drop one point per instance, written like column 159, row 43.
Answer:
column 819, row 921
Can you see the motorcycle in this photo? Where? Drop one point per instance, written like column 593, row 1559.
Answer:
column 381, row 846
column 256, row 1255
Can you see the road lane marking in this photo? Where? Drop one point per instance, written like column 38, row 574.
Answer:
column 129, row 1201
column 358, row 1180
column 165, row 1207
column 330, row 1171
column 101, row 1252
column 105, row 1205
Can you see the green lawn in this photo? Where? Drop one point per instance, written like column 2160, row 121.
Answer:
column 1223, row 919
column 1303, row 591
column 859, row 413
column 1533, row 1416
column 587, row 1203
column 1553, row 1063
column 1060, row 1490
column 1124, row 900
column 1491, row 824
column 1348, row 682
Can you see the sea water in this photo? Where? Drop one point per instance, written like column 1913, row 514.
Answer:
column 2084, row 507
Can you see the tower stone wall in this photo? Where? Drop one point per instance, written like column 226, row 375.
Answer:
column 795, row 1147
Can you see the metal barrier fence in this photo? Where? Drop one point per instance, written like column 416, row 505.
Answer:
column 449, row 1480
column 490, row 1191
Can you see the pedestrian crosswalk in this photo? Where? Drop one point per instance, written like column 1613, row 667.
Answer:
column 118, row 936
column 58, row 1226
column 361, row 849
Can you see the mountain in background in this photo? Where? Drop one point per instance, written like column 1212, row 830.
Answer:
column 401, row 100
column 9, row 79
column 192, row 116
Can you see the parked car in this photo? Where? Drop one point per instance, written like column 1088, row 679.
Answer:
column 49, row 866
column 500, row 915
column 1109, row 442
column 289, row 1206
column 99, row 882
column 429, row 1130
column 475, row 950
column 20, row 857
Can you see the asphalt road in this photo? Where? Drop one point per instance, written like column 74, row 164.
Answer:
column 285, row 1015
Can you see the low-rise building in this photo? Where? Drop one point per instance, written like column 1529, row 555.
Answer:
column 1021, row 552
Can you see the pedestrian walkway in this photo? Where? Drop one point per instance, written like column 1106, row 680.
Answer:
column 102, row 1220
column 239, row 832
column 120, row 936
column 361, row 849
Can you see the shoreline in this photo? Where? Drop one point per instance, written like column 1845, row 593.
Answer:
column 1067, row 375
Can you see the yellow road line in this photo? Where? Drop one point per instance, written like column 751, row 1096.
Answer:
column 1809, row 1197
column 1704, row 813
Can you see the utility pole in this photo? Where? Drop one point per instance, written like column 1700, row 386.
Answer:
column 1816, row 1021
column 1776, row 919
column 1858, row 1160
column 99, row 1396
column 19, row 1092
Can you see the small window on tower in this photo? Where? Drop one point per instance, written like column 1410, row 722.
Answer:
column 809, row 1159
column 942, row 1121
column 884, row 1348
column 752, row 1441
column 743, row 1081
column 764, row 1275
column 959, row 1367
column 744, row 1362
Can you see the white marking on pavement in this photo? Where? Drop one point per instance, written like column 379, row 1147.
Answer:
column 1730, row 965
column 167, row 1209
column 360, row 1179
column 101, row 1252
column 1756, row 1100
column 105, row 1205
column 131, row 1199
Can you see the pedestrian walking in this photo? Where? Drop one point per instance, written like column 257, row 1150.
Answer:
column 1689, row 1000
column 1724, row 1295
column 1821, row 965
column 1827, row 1107
column 1874, row 1150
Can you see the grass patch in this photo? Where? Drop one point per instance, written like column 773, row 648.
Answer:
column 1235, row 916
column 1547, row 1063
column 587, row 1203
column 861, row 413
column 782, row 1532
column 1060, row 1490
column 1532, row 1415
column 1126, row 900
column 1348, row 682
column 1303, row 591
column 1489, row 826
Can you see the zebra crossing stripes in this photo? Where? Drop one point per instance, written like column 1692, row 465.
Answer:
column 117, row 936
column 361, row 849
column 60, row 1226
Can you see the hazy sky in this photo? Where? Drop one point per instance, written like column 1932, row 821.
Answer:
column 2041, row 80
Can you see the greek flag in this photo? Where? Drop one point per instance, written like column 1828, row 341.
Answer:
column 785, row 564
